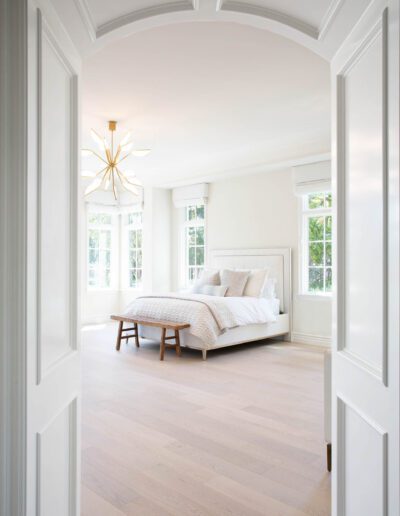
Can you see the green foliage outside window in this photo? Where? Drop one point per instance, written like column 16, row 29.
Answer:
column 319, row 237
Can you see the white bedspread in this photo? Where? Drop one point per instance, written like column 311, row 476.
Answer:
column 208, row 316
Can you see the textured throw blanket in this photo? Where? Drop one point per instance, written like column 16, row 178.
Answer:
column 208, row 317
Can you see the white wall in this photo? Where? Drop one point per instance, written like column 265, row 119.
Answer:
column 255, row 212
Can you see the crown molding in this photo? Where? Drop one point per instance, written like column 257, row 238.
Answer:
column 329, row 17
column 265, row 12
column 233, row 6
column 244, row 171
column 87, row 18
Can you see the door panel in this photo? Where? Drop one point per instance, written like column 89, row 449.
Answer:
column 53, row 361
column 365, row 379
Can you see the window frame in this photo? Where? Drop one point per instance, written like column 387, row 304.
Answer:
column 185, row 247
column 306, row 214
column 112, row 228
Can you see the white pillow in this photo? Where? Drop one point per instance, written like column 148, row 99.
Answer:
column 269, row 290
column 208, row 277
column 213, row 290
column 235, row 280
column 255, row 283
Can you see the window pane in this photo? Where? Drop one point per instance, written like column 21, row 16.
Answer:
column 328, row 227
column 199, row 255
column 200, row 236
column 93, row 218
column 316, row 200
column 132, row 278
column 139, row 276
column 132, row 259
column 191, row 236
column 93, row 238
column 93, row 256
column 107, row 278
column 199, row 271
column 191, row 213
column 105, row 259
column 135, row 218
column 316, row 254
column 139, row 238
column 192, row 274
column 200, row 212
column 315, row 279
column 328, row 254
column 92, row 278
column 105, row 239
column 316, row 228
column 132, row 239
column 139, row 258
column 192, row 256
column 328, row 200
column 328, row 279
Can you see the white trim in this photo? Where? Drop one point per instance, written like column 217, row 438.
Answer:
column 271, row 14
column 310, row 338
column 141, row 14
column 13, row 256
column 329, row 17
column 87, row 18
column 259, row 168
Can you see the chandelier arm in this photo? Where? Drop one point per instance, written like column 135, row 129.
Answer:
column 97, row 155
column 122, row 159
column 102, row 170
column 113, row 184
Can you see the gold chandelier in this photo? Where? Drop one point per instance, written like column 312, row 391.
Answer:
column 111, row 175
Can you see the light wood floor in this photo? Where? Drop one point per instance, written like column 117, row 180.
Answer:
column 239, row 434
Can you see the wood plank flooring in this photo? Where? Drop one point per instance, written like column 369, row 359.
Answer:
column 240, row 434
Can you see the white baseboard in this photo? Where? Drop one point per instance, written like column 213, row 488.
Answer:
column 308, row 338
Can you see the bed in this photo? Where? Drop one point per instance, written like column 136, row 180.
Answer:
column 221, row 322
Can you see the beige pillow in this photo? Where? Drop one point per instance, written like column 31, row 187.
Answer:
column 255, row 283
column 208, row 277
column 235, row 280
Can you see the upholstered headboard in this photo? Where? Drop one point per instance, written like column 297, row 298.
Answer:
column 276, row 260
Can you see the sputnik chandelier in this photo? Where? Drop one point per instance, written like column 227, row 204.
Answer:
column 110, row 176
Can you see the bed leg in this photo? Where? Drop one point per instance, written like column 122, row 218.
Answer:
column 204, row 353
column 329, row 457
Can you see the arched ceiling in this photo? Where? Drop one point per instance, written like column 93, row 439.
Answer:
column 317, row 24
column 211, row 99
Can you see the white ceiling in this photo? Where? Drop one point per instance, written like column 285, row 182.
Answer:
column 211, row 99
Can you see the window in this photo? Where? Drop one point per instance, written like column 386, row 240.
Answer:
column 194, row 241
column 134, row 226
column 317, row 243
column 100, row 226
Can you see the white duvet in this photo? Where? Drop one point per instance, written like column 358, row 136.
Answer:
column 208, row 316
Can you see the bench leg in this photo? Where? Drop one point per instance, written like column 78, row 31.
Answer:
column 177, row 343
column 118, row 344
column 162, row 345
column 136, row 329
column 204, row 353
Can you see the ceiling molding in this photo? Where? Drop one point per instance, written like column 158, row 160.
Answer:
column 329, row 17
column 87, row 19
column 244, row 171
column 141, row 14
column 265, row 12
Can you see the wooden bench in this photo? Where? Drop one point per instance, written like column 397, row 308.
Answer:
column 164, row 325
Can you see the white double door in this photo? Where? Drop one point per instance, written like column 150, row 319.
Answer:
column 365, row 85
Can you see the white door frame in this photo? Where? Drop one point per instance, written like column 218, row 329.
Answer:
column 13, row 266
